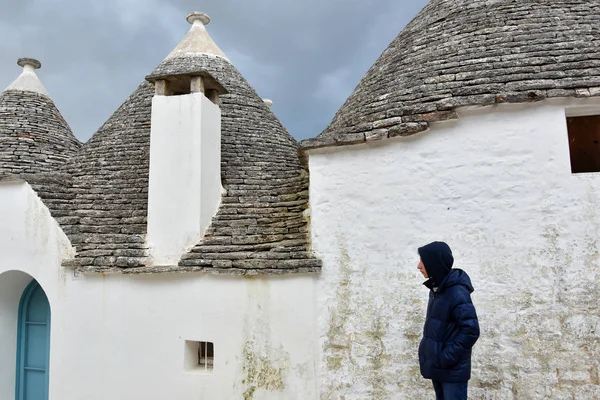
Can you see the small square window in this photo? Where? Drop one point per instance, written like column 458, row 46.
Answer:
column 584, row 143
column 199, row 356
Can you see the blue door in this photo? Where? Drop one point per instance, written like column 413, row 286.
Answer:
column 33, row 347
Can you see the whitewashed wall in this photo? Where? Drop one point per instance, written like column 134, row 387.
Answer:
column 185, row 164
column 31, row 243
column 497, row 186
column 120, row 337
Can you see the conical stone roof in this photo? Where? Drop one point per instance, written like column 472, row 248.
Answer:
column 260, row 226
column 472, row 53
column 34, row 137
column 106, row 217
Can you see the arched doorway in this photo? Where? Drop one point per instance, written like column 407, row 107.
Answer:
column 33, row 344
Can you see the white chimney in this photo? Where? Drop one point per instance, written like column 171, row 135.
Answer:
column 185, row 189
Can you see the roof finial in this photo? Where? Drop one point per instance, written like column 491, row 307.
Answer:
column 197, row 17
column 28, row 81
column 31, row 62
column 197, row 41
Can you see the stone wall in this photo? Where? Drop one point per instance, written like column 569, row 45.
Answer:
column 497, row 186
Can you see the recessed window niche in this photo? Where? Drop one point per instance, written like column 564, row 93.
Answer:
column 199, row 356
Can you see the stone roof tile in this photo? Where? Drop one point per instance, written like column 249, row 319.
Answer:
column 106, row 217
column 34, row 137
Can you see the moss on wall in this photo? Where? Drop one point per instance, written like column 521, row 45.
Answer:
column 263, row 370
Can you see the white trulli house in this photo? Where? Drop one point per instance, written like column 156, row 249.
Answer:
column 176, row 254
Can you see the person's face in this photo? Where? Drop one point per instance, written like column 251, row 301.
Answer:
column 421, row 268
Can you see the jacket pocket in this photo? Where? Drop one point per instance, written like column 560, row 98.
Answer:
column 432, row 351
column 447, row 358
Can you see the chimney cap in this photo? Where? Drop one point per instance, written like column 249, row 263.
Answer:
column 176, row 78
column 22, row 62
column 194, row 16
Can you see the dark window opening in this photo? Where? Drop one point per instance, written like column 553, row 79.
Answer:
column 199, row 357
column 584, row 147
column 206, row 355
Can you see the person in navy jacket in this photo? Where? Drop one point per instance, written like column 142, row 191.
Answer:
column 451, row 326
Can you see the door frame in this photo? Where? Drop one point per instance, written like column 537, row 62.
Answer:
column 21, row 340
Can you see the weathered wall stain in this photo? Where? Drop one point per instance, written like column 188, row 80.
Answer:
column 263, row 369
column 265, row 365
column 357, row 359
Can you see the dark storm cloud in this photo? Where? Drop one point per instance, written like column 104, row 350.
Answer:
column 305, row 55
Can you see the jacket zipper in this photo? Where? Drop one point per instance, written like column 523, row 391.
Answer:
column 429, row 306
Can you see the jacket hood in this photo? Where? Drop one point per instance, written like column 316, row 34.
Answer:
column 438, row 260
column 457, row 277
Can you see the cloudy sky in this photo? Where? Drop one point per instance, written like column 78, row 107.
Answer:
column 305, row 55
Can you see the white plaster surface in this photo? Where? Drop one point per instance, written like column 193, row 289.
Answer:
column 28, row 81
column 497, row 186
column 211, row 189
column 122, row 337
column 31, row 245
column 185, row 173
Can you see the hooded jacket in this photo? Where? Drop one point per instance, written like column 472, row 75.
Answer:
column 451, row 327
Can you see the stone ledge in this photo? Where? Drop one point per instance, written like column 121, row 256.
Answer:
column 446, row 110
column 196, row 270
